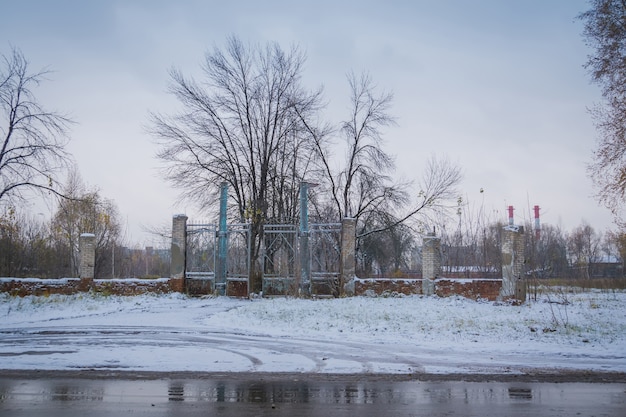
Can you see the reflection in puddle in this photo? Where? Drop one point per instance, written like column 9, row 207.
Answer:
column 291, row 392
column 176, row 392
column 69, row 392
column 521, row 393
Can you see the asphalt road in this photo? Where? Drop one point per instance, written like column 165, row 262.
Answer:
column 299, row 395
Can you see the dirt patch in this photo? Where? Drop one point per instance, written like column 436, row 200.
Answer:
column 535, row 375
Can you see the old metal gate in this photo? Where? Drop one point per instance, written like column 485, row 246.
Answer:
column 200, row 258
column 202, row 266
column 279, row 259
column 325, row 244
column 237, row 273
column 283, row 260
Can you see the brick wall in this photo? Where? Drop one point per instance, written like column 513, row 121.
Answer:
column 380, row 286
column 35, row 286
column 471, row 288
column 444, row 287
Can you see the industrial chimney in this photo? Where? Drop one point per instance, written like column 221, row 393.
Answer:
column 511, row 221
column 537, row 224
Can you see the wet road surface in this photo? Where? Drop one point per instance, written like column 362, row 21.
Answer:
column 137, row 348
column 299, row 396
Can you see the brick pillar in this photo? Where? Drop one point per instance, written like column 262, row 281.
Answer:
column 179, row 242
column 348, row 256
column 431, row 262
column 87, row 250
column 513, row 283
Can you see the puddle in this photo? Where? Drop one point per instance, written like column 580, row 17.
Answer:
column 305, row 392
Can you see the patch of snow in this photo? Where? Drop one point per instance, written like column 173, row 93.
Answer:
column 579, row 331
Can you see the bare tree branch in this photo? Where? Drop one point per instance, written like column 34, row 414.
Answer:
column 33, row 140
column 605, row 33
column 438, row 186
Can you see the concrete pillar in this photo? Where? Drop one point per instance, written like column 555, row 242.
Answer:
column 431, row 262
column 304, row 248
column 87, row 249
column 348, row 256
column 221, row 269
column 179, row 243
column 513, row 282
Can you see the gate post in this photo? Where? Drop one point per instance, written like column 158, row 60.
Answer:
column 178, row 261
column 305, row 252
column 222, row 242
column 348, row 254
column 87, row 250
column 431, row 262
column 513, row 283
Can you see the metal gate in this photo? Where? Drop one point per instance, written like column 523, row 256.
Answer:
column 237, row 273
column 202, row 264
column 211, row 268
column 279, row 259
column 325, row 244
column 200, row 257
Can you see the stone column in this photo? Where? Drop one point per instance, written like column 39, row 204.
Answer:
column 513, row 282
column 431, row 262
column 304, row 248
column 179, row 242
column 221, row 267
column 87, row 250
column 348, row 256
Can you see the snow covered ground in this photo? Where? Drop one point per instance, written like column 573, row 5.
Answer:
column 575, row 331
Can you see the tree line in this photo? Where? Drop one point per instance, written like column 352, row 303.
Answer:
column 31, row 246
column 582, row 253
column 250, row 121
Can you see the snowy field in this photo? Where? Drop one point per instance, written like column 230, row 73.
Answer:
column 562, row 331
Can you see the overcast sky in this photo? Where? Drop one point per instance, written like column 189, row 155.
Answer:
column 496, row 86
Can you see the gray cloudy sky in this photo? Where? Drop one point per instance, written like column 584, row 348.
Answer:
column 496, row 86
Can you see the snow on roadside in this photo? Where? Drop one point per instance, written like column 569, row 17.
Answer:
column 594, row 320
column 572, row 330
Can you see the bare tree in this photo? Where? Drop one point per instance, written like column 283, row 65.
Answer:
column 363, row 188
column 551, row 253
column 388, row 251
column 243, row 125
column 363, row 183
column 605, row 32
column 32, row 139
column 584, row 249
column 86, row 211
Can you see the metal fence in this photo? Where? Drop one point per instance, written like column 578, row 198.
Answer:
column 201, row 251
column 282, row 258
column 325, row 244
column 238, row 252
column 279, row 259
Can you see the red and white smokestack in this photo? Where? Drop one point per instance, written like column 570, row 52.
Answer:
column 511, row 221
column 537, row 224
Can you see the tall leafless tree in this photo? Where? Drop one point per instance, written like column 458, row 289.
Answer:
column 32, row 139
column 363, row 182
column 364, row 188
column 243, row 125
column 584, row 249
column 86, row 211
column 605, row 33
